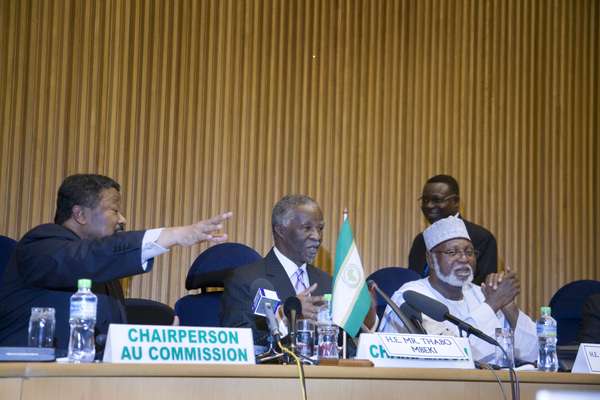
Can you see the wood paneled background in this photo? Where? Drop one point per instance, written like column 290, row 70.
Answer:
column 198, row 107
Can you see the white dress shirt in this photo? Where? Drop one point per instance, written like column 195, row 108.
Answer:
column 291, row 267
column 150, row 248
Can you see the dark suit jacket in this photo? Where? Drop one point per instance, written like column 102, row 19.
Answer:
column 483, row 241
column 590, row 320
column 43, row 272
column 236, row 303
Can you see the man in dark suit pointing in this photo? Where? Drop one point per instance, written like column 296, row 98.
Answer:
column 84, row 242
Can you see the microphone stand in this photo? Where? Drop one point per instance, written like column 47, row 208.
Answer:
column 407, row 322
column 514, row 381
column 271, row 354
column 468, row 329
column 292, row 315
column 439, row 312
column 293, row 347
column 274, row 337
column 292, row 334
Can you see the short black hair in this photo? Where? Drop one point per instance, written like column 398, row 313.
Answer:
column 448, row 180
column 82, row 190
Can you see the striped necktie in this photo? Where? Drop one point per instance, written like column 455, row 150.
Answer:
column 298, row 276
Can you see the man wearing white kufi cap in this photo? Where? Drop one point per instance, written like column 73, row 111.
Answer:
column 453, row 257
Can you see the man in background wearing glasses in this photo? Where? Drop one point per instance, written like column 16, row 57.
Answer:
column 440, row 199
column 452, row 257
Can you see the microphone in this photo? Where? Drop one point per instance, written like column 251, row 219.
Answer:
column 265, row 293
column 292, row 308
column 265, row 303
column 439, row 312
column 415, row 316
column 272, row 322
column 410, row 326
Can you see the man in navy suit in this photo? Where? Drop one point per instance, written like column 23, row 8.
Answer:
column 85, row 241
column 441, row 199
column 297, row 225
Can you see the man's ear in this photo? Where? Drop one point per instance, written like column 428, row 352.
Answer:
column 279, row 231
column 456, row 199
column 428, row 256
column 78, row 215
column 455, row 203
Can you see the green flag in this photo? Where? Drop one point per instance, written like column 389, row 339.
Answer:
column 351, row 299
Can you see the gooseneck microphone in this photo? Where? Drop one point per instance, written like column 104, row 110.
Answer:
column 272, row 323
column 415, row 316
column 439, row 312
column 410, row 326
column 292, row 308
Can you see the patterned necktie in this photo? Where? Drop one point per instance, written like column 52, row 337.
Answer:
column 299, row 286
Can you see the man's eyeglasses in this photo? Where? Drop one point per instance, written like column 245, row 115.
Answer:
column 435, row 200
column 455, row 253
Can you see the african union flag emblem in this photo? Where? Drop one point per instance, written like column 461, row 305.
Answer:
column 351, row 299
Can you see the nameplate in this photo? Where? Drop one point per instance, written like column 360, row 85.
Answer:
column 178, row 345
column 415, row 351
column 588, row 359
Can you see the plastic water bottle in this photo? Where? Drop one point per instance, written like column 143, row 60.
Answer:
column 82, row 318
column 546, row 333
column 324, row 314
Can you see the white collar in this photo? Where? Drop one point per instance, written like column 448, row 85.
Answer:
column 287, row 264
column 460, row 308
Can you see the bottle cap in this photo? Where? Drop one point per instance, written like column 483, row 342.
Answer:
column 546, row 310
column 84, row 284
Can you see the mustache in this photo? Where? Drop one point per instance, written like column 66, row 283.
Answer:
column 462, row 267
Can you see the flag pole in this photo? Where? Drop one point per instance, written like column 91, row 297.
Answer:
column 344, row 342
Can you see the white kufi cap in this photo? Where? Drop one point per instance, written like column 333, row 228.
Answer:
column 443, row 230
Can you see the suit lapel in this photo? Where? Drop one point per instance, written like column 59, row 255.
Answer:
column 314, row 277
column 278, row 277
column 111, row 289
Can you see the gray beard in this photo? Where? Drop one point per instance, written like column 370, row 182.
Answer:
column 450, row 279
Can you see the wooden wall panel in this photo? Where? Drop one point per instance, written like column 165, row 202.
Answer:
column 197, row 107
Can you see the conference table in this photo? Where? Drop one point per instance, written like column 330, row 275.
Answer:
column 97, row 381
